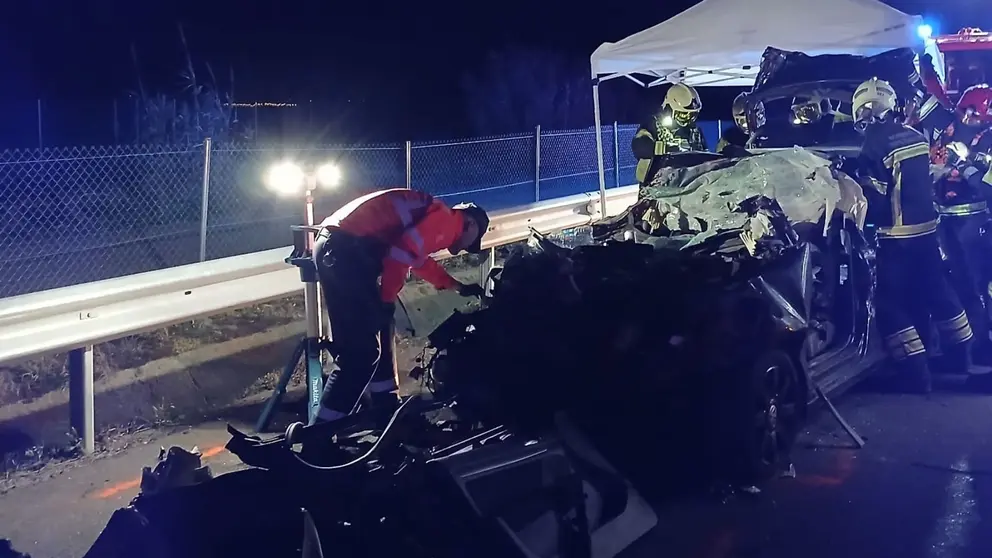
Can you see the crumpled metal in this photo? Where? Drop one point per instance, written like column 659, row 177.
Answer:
column 701, row 199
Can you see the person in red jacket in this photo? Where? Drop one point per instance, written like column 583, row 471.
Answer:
column 363, row 254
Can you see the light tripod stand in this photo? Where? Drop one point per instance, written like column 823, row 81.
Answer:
column 310, row 350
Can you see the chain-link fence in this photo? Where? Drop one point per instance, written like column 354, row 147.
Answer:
column 79, row 214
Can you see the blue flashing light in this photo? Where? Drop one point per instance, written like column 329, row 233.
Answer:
column 924, row 31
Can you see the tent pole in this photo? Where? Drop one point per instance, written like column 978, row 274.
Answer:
column 599, row 148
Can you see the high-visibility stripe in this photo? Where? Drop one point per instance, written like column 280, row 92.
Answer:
column 928, row 106
column 956, row 329
column 405, row 207
column 401, row 256
column 904, row 343
column 963, row 209
column 900, row 154
column 894, row 161
column 413, row 235
column 908, row 231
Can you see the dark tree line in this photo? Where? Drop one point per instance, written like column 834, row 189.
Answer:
column 516, row 89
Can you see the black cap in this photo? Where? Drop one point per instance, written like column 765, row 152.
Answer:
column 480, row 216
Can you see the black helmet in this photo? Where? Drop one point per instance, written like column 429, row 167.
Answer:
column 480, row 216
column 739, row 110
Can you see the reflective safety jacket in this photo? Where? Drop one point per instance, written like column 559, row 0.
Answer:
column 409, row 226
column 964, row 191
column 900, row 194
column 654, row 139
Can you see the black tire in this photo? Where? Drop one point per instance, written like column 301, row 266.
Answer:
column 759, row 411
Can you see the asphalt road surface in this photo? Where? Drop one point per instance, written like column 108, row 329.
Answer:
column 922, row 487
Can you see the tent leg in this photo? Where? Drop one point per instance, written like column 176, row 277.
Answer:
column 599, row 149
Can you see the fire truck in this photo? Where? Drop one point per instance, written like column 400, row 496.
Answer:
column 967, row 59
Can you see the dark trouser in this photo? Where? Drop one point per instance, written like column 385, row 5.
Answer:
column 348, row 268
column 913, row 289
column 968, row 251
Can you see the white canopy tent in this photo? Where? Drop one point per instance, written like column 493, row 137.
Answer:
column 720, row 42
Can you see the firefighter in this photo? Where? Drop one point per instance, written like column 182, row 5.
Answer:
column 962, row 189
column 363, row 254
column 672, row 130
column 930, row 111
column 736, row 138
column 912, row 287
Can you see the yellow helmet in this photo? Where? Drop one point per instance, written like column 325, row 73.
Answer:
column 872, row 100
column 682, row 102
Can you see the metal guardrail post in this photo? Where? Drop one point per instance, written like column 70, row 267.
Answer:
column 537, row 163
column 409, row 165
column 41, row 135
column 486, row 267
column 205, row 200
column 616, row 152
column 81, row 398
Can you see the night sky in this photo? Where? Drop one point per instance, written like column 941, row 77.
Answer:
column 393, row 68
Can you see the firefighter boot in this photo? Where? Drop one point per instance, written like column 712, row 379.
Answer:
column 979, row 376
column 913, row 375
column 980, row 379
column 955, row 360
column 981, row 352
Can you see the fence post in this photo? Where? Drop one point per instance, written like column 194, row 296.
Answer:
column 537, row 163
column 117, row 125
column 81, row 399
column 409, row 165
column 41, row 139
column 205, row 200
column 616, row 152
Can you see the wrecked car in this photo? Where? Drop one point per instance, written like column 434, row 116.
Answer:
column 679, row 348
column 426, row 481
column 782, row 222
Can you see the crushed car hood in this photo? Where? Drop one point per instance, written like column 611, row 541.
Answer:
column 701, row 200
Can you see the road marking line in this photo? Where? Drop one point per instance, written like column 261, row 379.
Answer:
column 121, row 487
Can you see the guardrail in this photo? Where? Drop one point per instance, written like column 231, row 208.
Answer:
column 76, row 318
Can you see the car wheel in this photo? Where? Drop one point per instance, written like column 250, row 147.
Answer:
column 762, row 410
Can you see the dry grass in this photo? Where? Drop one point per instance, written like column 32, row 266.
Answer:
column 35, row 378
column 31, row 379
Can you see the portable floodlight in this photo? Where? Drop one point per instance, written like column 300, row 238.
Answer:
column 290, row 179
column 286, row 178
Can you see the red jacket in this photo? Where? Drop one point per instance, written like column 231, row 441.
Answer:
column 413, row 225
